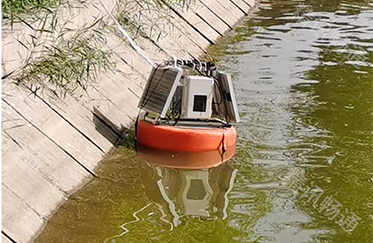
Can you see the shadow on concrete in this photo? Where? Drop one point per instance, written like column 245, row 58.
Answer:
column 108, row 129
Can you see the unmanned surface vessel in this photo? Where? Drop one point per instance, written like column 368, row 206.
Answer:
column 181, row 113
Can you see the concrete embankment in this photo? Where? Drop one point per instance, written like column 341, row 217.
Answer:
column 52, row 145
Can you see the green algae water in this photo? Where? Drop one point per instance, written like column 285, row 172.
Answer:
column 303, row 171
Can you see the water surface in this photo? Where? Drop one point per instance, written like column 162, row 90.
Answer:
column 303, row 172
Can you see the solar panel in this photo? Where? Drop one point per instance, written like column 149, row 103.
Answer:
column 160, row 89
column 225, row 99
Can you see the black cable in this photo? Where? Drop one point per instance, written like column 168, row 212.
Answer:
column 177, row 120
column 220, row 92
column 173, row 114
column 199, row 71
column 217, row 84
column 174, row 106
column 168, row 119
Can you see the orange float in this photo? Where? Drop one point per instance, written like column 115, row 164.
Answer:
column 185, row 139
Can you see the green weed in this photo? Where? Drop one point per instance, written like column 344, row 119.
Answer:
column 74, row 63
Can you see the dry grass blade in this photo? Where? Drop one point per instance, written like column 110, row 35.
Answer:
column 148, row 18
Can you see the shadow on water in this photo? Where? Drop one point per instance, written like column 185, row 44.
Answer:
column 107, row 128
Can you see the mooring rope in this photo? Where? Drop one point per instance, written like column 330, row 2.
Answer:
column 128, row 37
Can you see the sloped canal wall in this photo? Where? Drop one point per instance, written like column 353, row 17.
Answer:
column 52, row 144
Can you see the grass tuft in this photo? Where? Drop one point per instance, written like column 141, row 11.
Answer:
column 73, row 64
column 149, row 18
column 12, row 9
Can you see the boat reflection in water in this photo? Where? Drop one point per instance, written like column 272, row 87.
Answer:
column 185, row 160
column 184, row 192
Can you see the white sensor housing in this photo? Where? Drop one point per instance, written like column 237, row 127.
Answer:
column 197, row 97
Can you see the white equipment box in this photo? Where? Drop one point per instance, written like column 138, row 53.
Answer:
column 197, row 97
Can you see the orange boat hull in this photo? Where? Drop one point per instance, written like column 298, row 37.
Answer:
column 181, row 139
